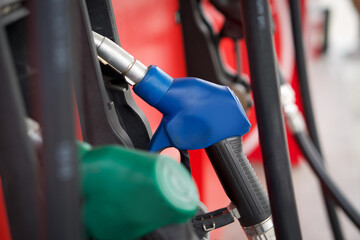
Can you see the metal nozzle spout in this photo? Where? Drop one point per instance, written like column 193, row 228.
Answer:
column 112, row 54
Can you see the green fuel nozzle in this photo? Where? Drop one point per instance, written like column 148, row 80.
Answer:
column 129, row 193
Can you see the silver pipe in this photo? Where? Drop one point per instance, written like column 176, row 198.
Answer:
column 113, row 55
column 261, row 231
column 295, row 120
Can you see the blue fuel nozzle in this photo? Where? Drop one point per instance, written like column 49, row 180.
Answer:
column 196, row 113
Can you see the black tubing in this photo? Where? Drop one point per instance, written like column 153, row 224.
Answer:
column 17, row 161
column 314, row 158
column 264, row 80
column 239, row 181
column 308, row 111
column 302, row 71
column 59, row 58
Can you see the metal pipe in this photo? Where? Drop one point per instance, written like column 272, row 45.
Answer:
column 308, row 111
column 112, row 54
column 265, row 85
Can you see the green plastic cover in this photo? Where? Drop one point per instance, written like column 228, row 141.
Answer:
column 129, row 193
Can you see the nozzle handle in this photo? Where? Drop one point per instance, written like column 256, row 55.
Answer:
column 239, row 181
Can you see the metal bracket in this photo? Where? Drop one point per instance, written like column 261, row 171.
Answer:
column 204, row 223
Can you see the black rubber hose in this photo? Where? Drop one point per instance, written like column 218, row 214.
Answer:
column 302, row 71
column 17, row 160
column 265, row 86
column 314, row 158
column 308, row 111
column 58, row 54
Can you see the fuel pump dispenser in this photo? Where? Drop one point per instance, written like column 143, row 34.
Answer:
column 198, row 114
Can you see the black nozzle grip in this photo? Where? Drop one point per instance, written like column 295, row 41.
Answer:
column 239, row 181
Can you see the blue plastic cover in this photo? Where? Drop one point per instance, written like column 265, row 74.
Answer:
column 153, row 86
column 196, row 113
